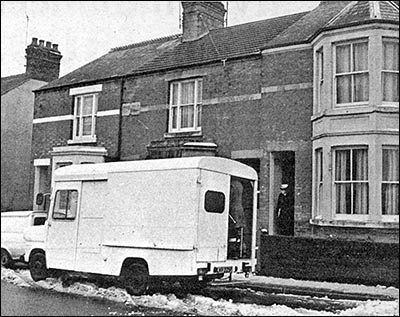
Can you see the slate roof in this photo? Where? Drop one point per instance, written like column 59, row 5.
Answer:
column 10, row 82
column 335, row 14
column 366, row 11
column 170, row 52
column 226, row 43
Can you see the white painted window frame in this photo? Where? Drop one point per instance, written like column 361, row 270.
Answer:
column 77, row 136
column 393, row 40
column 352, row 217
column 351, row 73
column 196, row 105
column 388, row 218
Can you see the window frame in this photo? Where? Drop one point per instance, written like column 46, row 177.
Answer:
column 352, row 216
column 388, row 217
column 211, row 200
column 319, row 179
column 66, row 218
column 78, row 135
column 351, row 73
column 320, row 77
column 197, row 106
column 382, row 70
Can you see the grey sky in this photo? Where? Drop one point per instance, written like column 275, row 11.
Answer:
column 86, row 30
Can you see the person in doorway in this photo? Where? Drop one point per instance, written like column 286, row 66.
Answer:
column 284, row 212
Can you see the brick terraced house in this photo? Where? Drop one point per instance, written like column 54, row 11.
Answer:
column 308, row 99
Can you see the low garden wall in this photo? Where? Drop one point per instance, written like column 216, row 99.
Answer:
column 330, row 260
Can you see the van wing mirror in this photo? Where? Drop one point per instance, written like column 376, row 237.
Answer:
column 39, row 199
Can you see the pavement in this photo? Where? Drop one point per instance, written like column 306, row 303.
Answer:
column 315, row 289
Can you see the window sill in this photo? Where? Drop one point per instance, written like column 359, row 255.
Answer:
column 355, row 224
column 182, row 134
column 83, row 140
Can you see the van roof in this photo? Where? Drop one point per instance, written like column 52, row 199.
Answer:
column 100, row 171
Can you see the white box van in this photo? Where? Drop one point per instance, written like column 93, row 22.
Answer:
column 188, row 218
column 19, row 229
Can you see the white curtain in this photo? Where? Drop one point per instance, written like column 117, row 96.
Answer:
column 187, row 116
column 390, row 185
column 360, row 189
column 390, row 80
column 342, row 169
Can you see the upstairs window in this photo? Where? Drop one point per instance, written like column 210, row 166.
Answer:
column 351, row 181
column 320, row 78
column 85, row 108
column 185, row 106
column 352, row 77
column 390, row 70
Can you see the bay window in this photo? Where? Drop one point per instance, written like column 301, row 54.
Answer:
column 185, row 105
column 390, row 70
column 351, row 181
column 352, row 76
column 390, row 181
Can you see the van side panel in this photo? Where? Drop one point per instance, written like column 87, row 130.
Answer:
column 152, row 215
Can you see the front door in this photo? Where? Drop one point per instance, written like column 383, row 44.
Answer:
column 213, row 217
column 63, row 225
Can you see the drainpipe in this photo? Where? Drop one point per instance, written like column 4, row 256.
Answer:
column 121, row 100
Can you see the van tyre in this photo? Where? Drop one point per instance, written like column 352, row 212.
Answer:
column 6, row 259
column 38, row 267
column 135, row 278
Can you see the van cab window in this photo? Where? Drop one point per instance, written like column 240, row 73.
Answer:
column 65, row 204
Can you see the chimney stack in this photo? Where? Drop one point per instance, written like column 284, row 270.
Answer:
column 42, row 61
column 201, row 17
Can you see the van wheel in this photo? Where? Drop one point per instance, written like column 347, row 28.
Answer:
column 37, row 266
column 6, row 259
column 135, row 278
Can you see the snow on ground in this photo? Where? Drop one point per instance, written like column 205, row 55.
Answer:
column 194, row 304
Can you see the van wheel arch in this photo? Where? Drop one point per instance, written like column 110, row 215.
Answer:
column 6, row 259
column 37, row 265
column 135, row 276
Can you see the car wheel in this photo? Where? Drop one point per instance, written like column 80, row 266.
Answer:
column 135, row 278
column 38, row 267
column 6, row 259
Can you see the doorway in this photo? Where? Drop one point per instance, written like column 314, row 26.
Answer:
column 282, row 171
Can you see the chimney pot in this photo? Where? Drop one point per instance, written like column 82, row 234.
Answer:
column 43, row 61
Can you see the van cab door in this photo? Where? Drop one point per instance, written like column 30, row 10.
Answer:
column 213, row 217
column 63, row 225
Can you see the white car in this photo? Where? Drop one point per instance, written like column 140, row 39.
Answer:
column 19, row 231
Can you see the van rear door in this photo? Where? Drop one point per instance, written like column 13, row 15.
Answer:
column 213, row 217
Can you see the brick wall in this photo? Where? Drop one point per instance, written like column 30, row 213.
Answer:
column 330, row 260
